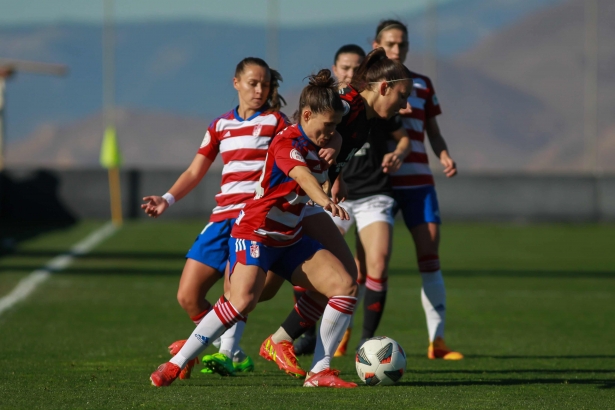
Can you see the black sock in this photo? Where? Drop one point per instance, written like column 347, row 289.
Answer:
column 295, row 325
column 373, row 303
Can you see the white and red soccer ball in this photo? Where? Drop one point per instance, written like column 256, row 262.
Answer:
column 380, row 361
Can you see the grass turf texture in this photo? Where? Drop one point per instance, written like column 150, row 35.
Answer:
column 532, row 308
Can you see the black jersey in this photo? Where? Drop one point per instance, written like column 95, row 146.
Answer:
column 363, row 173
column 354, row 129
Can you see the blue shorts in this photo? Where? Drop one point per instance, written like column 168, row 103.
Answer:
column 280, row 260
column 211, row 246
column 418, row 205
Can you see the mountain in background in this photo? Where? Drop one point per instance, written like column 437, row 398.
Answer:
column 508, row 102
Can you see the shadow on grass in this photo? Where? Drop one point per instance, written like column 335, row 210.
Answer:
column 599, row 383
column 563, row 371
column 112, row 258
column 568, row 274
column 588, row 356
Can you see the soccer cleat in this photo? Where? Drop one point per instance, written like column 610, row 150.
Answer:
column 246, row 365
column 165, row 374
column 174, row 348
column 283, row 354
column 328, row 378
column 343, row 347
column 438, row 350
column 305, row 345
column 206, row 370
column 219, row 363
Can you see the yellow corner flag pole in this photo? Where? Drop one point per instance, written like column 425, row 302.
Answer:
column 111, row 158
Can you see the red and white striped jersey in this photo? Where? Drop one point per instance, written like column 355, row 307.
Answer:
column 415, row 171
column 243, row 145
column 274, row 216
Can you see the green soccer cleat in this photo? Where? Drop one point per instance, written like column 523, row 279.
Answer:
column 219, row 363
column 207, row 370
column 247, row 365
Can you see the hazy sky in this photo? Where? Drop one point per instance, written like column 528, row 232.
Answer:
column 292, row 12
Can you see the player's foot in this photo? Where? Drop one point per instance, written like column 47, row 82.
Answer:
column 165, row 374
column 360, row 344
column 219, row 363
column 206, row 370
column 343, row 347
column 283, row 354
column 306, row 344
column 244, row 366
column 438, row 350
column 328, row 378
column 174, row 348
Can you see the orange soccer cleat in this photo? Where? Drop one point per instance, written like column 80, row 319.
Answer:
column 283, row 354
column 343, row 347
column 174, row 348
column 165, row 374
column 328, row 378
column 438, row 350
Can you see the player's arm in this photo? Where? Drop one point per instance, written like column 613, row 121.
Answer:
column 392, row 161
column 439, row 147
column 156, row 205
column 303, row 176
column 329, row 152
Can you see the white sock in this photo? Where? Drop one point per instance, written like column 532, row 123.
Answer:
column 360, row 295
column 221, row 317
column 280, row 335
column 334, row 322
column 433, row 296
column 229, row 341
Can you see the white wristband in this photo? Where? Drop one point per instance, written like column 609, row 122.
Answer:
column 169, row 198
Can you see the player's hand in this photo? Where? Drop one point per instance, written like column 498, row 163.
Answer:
column 450, row 168
column 406, row 111
column 327, row 155
column 337, row 210
column 391, row 162
column 154, row 206
column 339, row 191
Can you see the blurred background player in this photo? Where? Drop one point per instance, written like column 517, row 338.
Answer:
column 267, row 235
column 346, row 61
column 414, row 189
column 379, row 89
column 242, row 137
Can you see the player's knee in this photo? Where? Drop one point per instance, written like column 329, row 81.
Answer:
column 377, row 268
column 187, row 301
column 244, row 303
column 344, row 286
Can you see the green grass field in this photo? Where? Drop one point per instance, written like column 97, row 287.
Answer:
column 532, row 307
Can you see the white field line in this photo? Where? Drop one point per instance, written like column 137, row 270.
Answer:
column 29, row 283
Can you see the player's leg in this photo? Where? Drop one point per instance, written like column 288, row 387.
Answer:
column 422, row 217
column 246, row 287
column 307, row 342
column 320, row 227
column 375, row 228
column 326, row 275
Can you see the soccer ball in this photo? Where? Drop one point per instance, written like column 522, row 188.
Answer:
column 380, row 361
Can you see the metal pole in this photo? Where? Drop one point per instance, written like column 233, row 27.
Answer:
column 590, row 97
column 2, row 99
column 431, row 63
column 273, row 17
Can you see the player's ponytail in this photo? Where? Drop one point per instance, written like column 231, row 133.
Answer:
column 378, row 67
column 320, row 95
column 274, row 100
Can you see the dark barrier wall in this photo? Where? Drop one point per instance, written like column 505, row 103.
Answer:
column 80, row 194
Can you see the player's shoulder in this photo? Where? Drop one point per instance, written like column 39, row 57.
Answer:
column 287, row 135
column 226, row 116
column 281, row 117
column 421, row 81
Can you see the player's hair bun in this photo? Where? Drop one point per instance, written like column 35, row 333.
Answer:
column 323, row 79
